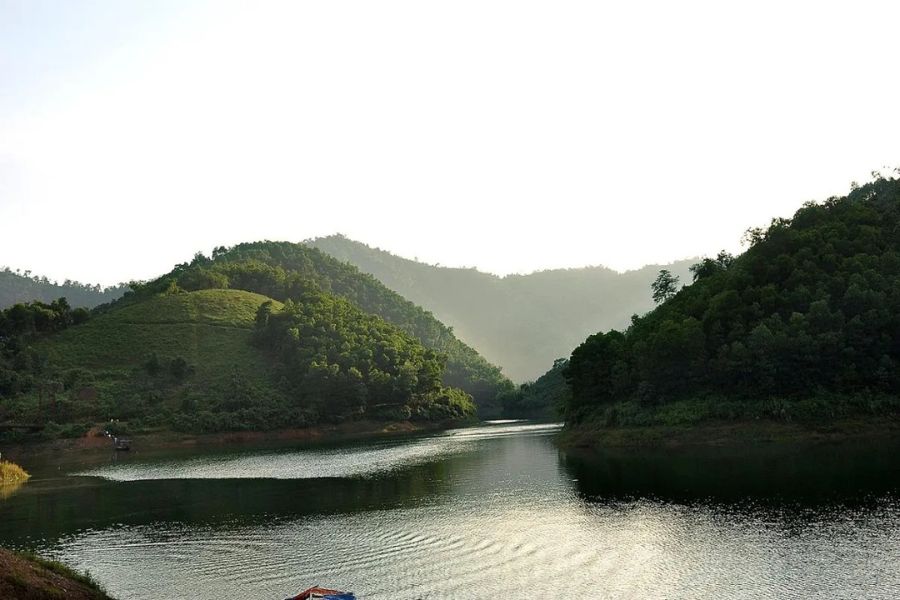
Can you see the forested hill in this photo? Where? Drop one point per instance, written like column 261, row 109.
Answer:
column 17, row 287
column 212, row 360
column 804, row 324
column 521, row 322
column 286, row 271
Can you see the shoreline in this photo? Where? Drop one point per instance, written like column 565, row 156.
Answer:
column 173, row 440
column 27, row 575
column 726, row 433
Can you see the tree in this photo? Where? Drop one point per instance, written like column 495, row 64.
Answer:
column 153, row 365
column 710, row 266
column 665, row 286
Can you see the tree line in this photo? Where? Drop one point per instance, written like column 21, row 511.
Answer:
column 811, row 310
column 286, row 271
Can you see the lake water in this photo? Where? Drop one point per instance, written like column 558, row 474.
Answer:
column 489, row 512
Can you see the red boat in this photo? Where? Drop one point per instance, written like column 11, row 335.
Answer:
column 315, row 593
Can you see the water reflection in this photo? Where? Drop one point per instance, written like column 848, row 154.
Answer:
column 487, row 512
column 771, row 474
column 9, row 488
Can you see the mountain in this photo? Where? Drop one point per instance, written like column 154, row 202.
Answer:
column 283, row 270
column 521, row 322
column 804, row 326
column 260, row 336
column 16, row 287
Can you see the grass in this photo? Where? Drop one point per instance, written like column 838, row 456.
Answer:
column 12, row 473
column 31, row 577
column 102, row 363
column 197, row 325
column 210, row 329
column 226, row 308
column 61, row 569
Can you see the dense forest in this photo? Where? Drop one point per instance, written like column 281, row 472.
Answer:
column 214, row 360
column 20, row 325
column 258, row 336
column 544, row 398
column 521, row 322
column 286, row 271
column 22, row 287
column 804, row 325
column 338, row 360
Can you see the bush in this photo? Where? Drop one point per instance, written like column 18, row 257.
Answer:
column 11, row 472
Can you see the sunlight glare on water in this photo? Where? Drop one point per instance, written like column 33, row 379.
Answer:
column 493, row 511
column 307, row 464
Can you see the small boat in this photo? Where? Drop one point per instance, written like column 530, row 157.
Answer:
column 121, row 444
column 320, row 593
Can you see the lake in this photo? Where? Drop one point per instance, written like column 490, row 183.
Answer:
column 495, row 511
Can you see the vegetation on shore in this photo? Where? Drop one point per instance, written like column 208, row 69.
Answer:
column 802, row 327
column 522, row 322
column 286, row 271
column 545, row 398
column 12, row 473
column 260, row 337
column 728, row 433
column 27, row 576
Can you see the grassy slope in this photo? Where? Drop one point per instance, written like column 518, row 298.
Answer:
column 210, row 329
column 29, row 577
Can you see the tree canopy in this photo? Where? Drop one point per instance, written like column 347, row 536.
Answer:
column 811, row 309
column 286, row 271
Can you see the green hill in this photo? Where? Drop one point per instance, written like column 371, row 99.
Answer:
column 215, row 360
column 17, row 287
column 209, row 329
column 803, row 327
column 283, row 271
column 521, row 322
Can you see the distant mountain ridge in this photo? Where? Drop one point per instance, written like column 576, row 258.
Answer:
column 16, row 287
column 521, row 322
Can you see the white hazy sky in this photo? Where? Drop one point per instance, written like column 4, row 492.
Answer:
column 512, row 136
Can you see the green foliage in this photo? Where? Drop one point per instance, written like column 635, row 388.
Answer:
column 180, row 369
column 21, row 288
column 810, row 310
column 340, row 363
column 665, row 286
column 520, row 322
column 153, row 365
column 710, row 266
column 544, row 398
column 222, row 360
column 20, row 326
column 286, row 271
column 144, row 362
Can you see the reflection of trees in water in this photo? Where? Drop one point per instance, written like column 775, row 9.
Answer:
column 7, row 489
column 810, row 474
column 53, row 511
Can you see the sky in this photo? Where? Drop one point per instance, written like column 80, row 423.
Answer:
column 510, row 136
